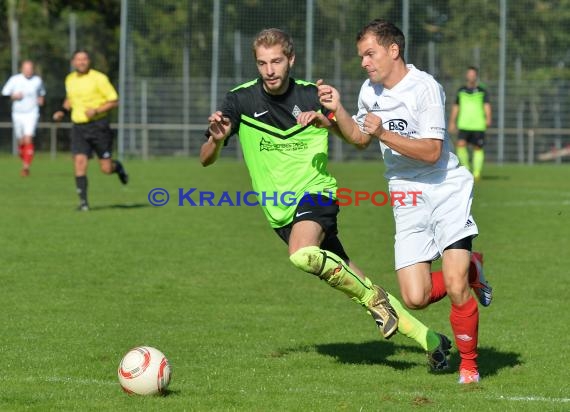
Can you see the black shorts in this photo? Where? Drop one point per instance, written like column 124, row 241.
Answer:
column 322, row 210
column 95, row 136
column 472, row 137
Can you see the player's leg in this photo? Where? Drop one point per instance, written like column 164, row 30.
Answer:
column 27, row 153
column 483, row 290
column 454, row 228
column 477, row 280
column 464, row 316
column 461, row 149
column 80, row 162
column 478, row 154
column 29, row 131
column 103, row 142
column 415, row 286
column 415, row 249
column 18, row 122
column 81, row 151
column 432, row 342
column 328, row 266
column 314, row 223
column 436, row 345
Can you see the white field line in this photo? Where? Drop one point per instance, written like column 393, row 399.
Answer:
column 81, row 381
column 524, row 203
column 532, row 399
column 60, row 379
column 529, row 398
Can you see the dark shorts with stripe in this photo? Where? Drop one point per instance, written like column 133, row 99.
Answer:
column 95, row 136
column 472, row 137
column 322, row 210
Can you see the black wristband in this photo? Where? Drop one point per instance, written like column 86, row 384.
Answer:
column 63, row 109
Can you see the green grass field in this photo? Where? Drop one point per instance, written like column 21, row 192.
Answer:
column 212, row 287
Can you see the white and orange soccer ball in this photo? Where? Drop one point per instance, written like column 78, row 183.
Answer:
column 144, row 370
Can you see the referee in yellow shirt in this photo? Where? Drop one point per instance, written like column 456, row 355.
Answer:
column 90, row 96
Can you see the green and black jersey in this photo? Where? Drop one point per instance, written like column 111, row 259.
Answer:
column 471, row 102
column 285, row 160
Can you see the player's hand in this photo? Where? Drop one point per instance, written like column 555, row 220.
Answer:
column 17, row 96
column 58, row 116
column 373, row 125
column 219, row 126
column 328, row 96
column 314, row 119
column 90, row 113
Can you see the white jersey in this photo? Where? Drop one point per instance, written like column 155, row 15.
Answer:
column 31, row 88
column 414, row 108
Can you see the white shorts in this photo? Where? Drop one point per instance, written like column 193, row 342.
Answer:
column 25, row 124
column 441, row 217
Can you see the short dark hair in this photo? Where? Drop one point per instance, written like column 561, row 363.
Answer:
column 76, row 52
column 475, row 69
column 272, row 37
column 386, row 33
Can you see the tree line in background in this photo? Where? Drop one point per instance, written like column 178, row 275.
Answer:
column 462, row 32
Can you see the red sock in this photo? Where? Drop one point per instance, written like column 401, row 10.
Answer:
column 28, row 154
column 438, row 291
column 472, row 272
column 21, row 150
column 465, row 324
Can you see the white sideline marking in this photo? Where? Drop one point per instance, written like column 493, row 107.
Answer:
column 61, row 379
column 530, row 398
column 67, row 379
column 524, row 203
column 533, row 399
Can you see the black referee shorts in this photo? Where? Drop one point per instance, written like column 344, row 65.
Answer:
column 95, row 136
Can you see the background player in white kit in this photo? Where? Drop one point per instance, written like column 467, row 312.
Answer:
column 404, row 108
column 27, row 92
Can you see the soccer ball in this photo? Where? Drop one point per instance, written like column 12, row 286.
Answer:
column 145, row 371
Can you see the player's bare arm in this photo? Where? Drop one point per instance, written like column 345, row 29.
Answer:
column 105, row 107
column 452, row 125
column 60, row 114
column 345, row 124
column 425, row 149
column 488, row 116
column 219, row 129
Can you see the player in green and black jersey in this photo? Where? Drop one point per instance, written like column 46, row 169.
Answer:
column 471, row 116
column 285, row 157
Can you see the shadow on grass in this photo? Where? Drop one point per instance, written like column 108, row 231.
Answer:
column 120, row 206
column 490, row 360
column 365, row 353
column 170, row 392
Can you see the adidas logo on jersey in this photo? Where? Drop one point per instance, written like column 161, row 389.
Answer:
column 469, row 223
column 296, row 111
column 376, row 107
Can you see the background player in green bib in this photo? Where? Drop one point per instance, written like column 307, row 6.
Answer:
column 286, row 156
column 471, row 115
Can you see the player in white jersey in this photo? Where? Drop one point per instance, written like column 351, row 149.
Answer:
column 404, row 108
column 26, row 90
